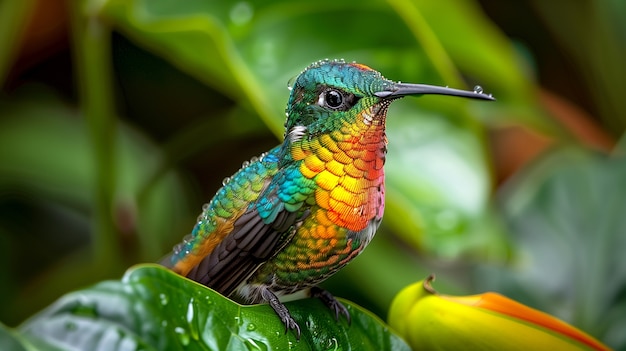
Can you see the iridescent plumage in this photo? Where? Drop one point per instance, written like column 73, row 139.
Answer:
column 295, row 215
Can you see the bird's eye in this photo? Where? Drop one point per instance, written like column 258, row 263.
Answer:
column 333, row 99
column 336, row 99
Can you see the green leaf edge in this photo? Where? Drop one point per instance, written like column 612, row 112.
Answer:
column 143, row 291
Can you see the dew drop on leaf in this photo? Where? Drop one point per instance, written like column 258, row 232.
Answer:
column 191, row 319
column 183, row 336
column 190, row 311
column 241, row 13
column 164, row 299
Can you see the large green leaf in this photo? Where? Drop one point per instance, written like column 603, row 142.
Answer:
column 152, row 308
column 566, row 216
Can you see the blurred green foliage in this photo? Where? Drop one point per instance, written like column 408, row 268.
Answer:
column 119, row 119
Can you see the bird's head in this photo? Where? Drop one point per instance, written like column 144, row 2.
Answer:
column 329, row 95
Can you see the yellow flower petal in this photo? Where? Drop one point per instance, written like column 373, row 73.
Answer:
column 429, row 321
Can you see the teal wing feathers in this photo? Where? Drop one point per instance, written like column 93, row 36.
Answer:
column 244, row 225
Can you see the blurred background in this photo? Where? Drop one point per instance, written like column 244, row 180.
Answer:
column 119, row 120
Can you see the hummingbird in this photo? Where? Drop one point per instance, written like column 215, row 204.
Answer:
column 295, row 215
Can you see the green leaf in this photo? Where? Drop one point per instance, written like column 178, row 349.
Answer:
column 566, row 215
column 152, row 308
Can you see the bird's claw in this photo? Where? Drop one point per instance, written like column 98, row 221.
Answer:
column 290, row 324
column 282, row 312
column 329, row 300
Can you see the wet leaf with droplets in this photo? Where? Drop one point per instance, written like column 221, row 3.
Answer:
column 154, row 308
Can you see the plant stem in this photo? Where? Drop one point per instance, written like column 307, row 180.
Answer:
column 424, row 35
column 91, row 43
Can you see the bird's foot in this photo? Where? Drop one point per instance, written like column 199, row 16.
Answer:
column 282, row 311
column 329, row 300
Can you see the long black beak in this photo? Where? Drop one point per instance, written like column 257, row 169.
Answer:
column 398, row 90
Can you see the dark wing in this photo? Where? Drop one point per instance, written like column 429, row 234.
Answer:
column 257, row 235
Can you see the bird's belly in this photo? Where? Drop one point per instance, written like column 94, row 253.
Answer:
column 319, row 249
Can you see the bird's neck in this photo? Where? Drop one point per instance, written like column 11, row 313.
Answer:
column 347, row 167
